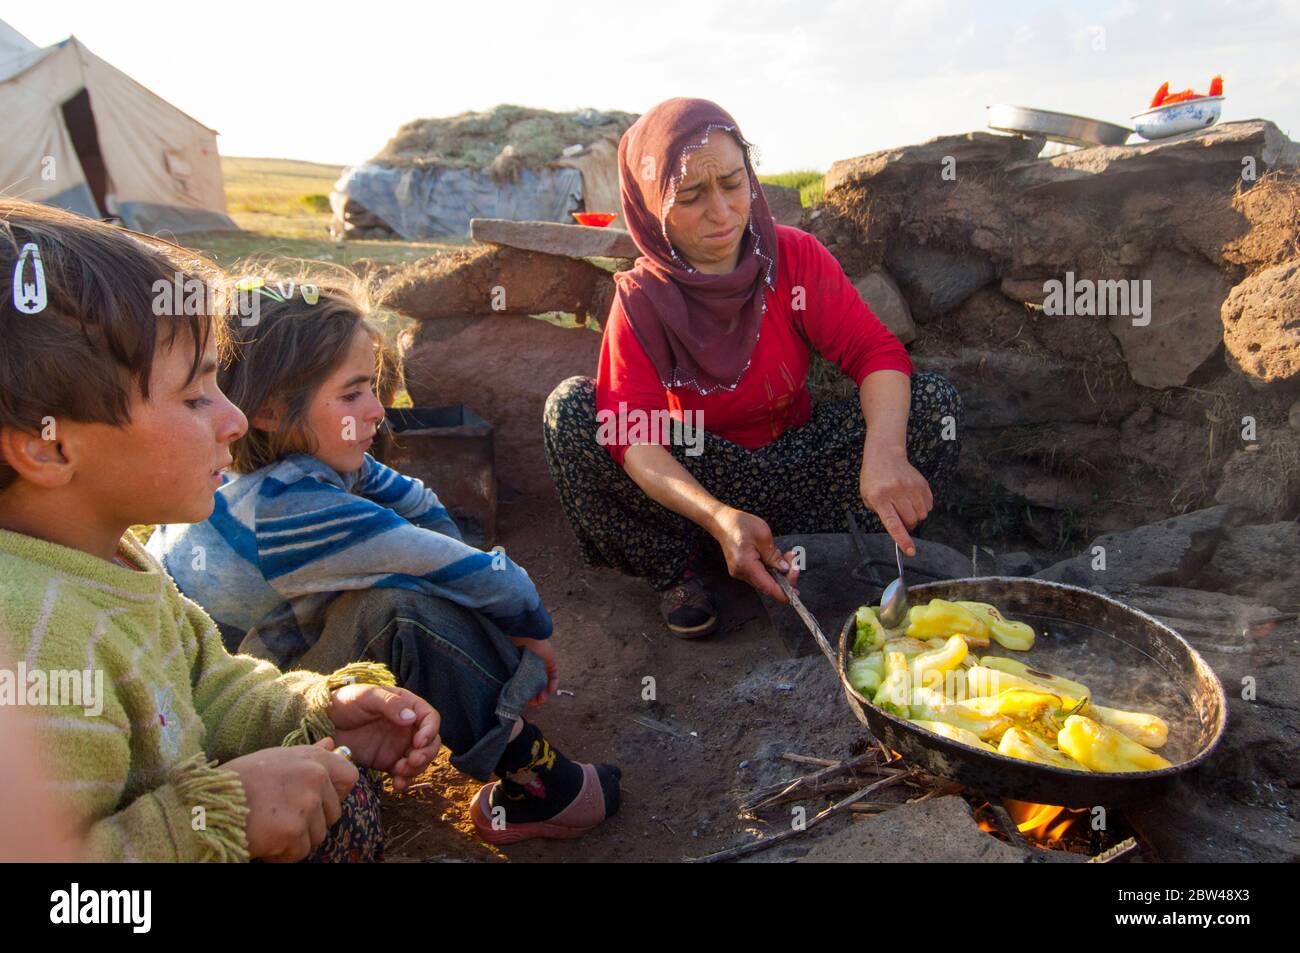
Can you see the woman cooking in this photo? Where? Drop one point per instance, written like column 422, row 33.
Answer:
column 714, row 325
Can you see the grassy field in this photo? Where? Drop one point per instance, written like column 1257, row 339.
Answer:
column 811, row 184
column 282, row 209
column 277, row 187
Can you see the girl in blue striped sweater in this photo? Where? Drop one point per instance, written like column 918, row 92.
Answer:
column 316, row 555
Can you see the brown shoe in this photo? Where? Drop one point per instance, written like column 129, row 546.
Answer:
column 688, row 609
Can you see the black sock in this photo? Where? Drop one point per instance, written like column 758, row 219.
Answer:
column 537, row 782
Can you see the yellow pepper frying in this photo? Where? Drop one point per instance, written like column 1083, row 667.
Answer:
column 953, row 685
column 1104, row 749
column 874, row 661
column 1150, row 731
column 930, row 705
column 939, row 617
column 955, row 733
column 1027, row 746
column 930, row 666
column 985, row 681
column 870, row 634
column 1057, row 684
column 1018, row 636
column 895, row 690
column 909, row 647
column 1034, row 711
column 863, row 675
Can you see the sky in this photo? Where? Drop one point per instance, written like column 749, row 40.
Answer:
column 808, row 81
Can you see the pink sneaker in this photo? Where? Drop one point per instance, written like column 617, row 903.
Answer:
column 584, row 813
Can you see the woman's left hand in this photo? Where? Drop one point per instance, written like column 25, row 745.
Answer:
column 896, row 492
column 389, row 729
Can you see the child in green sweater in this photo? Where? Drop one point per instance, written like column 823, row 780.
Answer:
column 157, row 742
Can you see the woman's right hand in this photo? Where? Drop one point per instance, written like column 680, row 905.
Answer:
column 745, row 539
column 746, row 542
column 293, row 796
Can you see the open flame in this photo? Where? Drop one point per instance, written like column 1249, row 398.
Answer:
column 1039, row 822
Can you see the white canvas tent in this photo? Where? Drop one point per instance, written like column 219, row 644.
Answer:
column 84, row 136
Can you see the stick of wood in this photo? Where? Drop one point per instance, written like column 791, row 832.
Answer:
column 397, row 847
column 753, row 846
column 872, row 807
column 807, row 759
column 1003, row 817
column 783, row 788
column 1119, row 850
column 808, row 619
column 862, row 761
column 942, row 789
column 821, row 790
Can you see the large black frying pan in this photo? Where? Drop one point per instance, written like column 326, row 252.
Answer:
column 1127, row 658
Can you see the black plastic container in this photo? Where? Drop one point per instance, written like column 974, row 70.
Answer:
column 451, row 450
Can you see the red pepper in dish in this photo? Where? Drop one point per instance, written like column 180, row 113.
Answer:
column 1165, row 98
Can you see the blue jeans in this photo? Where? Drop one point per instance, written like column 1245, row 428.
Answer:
column 453, row 657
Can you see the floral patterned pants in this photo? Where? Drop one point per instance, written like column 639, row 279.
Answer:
column 805, row 481
column 358, row 835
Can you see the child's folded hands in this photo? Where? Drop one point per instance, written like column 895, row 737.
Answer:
column 294, row 796
column 389, row 729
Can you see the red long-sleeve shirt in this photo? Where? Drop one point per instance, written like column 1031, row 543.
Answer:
column 772, row 394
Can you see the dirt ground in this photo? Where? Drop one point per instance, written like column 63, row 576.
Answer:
column 735, row 697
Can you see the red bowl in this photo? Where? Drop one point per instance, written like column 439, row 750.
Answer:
column 595, row 219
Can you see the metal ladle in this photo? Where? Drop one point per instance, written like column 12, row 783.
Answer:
column 894, row 603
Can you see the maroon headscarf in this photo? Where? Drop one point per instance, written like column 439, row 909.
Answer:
column 699, row 330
